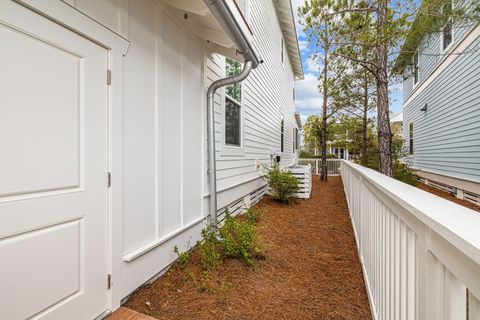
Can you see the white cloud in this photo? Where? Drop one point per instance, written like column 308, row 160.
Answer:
column 312, row 64
column 303, row 45
column 308, row 97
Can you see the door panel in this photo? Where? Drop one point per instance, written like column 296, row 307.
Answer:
column 53, row 164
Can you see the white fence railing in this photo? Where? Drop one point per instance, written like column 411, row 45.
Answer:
column 333, row 165
column 420, row 254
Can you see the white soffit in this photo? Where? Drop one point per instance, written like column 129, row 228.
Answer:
column 287, row 23
column 195, row 16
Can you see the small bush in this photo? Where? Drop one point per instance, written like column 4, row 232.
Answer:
column 183, row 257
column 306, row 155
column 283, row 185
column 238, row 239
column 210, row 249
column 404, row 173
column 202, row 284
column 253, row 215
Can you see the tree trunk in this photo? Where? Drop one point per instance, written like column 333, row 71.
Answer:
column 384, row 135
column 364, row 160
column 323, row 172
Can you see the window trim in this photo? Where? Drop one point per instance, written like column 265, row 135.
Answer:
column 228, row 149
column 416, row 68
column 297, row 139
column 294, row 140
column 238, row 104
column 442, row 37
column 282, row 135
column 410, row 139
column 442, row 34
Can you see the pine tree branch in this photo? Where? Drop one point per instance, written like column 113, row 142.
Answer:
column 361, row 62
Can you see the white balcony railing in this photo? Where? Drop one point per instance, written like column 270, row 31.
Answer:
column 420, row 253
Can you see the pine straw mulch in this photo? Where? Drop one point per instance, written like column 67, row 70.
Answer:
column 448, row 196
column 311, row 270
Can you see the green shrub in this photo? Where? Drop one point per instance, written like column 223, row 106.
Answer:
column 253, row 215
column 182, row 256
column 210, row 249
column 306, row 155
column 283, row 185
column 237, row 238
column 404, row 173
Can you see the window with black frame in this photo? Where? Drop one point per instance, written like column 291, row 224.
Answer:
column 282, row 133
column 415, row 68
column 410, row 136
column 447, row 35
column 233, row 99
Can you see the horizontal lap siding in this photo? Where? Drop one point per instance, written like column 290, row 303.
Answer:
column 431, row 55
column 267, row 96
column 447, row 135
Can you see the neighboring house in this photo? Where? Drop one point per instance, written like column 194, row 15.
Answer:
column 396, row 125
column 103, row 132
column 441, row 107
column 339, row 152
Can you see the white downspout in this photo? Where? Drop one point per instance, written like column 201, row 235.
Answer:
column 226, row 19
column 212, row 168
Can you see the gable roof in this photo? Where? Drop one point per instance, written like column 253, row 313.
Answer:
column 287, row 24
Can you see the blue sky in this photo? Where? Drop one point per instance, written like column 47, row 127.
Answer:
column 308, row 97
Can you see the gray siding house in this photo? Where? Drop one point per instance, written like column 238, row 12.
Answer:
column 441, row 107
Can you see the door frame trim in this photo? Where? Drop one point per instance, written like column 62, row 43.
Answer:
column 117, row 47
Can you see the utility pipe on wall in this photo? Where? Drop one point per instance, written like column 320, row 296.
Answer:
column 212, row 168
column 227, row 21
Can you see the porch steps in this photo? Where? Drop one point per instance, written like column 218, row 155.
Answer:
column 128, row 314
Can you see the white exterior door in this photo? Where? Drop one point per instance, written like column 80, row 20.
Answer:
column 53, row 167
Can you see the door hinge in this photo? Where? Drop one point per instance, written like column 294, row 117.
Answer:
column 109, row 77
column 109, row 281
column 109, row 179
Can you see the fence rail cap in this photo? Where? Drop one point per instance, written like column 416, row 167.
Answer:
column 457, row 224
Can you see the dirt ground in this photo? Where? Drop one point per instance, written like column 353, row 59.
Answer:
column 448, row 196
column 311, row 270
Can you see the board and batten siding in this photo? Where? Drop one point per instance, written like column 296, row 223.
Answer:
column 267, row 98
column 163, row 123
column 166, row 72
column 447, row 135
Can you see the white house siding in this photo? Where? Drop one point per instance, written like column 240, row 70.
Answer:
column 165, row 76
column 164, row 118
column 447, row 135
column 267, row 97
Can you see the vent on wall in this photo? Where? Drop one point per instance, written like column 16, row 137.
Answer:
column 472, row 197
column 442, row 186
column 257, row 195
column 238, row 206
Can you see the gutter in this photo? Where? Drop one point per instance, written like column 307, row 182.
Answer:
column 226, row 19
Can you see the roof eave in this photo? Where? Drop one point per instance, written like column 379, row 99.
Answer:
column 287, row 24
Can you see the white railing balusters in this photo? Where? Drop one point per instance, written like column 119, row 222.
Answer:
column 333, row 165
column 420, row 254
